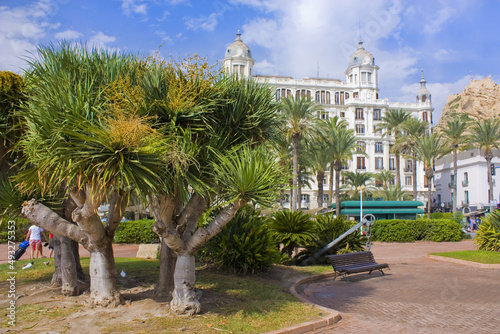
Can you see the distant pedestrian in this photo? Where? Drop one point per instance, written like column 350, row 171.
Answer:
column 35, row 239
column 51, row 244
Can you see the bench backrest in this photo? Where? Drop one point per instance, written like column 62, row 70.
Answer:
column 357, row 258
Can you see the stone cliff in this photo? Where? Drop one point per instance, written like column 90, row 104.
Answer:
column 479, row 99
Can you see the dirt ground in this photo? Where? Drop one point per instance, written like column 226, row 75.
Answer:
column 49, row 312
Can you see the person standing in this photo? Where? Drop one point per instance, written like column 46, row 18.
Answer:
column 35, row 240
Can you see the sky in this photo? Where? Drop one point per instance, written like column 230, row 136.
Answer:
column 453, row 41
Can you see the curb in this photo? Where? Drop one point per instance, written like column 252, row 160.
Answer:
column 332, row 318
column 464, row 262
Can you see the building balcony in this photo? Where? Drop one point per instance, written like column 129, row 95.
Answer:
column 408, row 169
column 450, row 185
column 465, row 183
column 465, row 203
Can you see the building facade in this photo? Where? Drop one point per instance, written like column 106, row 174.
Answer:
column 355, row 100
column 471, row 180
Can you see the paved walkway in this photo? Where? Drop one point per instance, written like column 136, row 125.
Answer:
column 418, row 294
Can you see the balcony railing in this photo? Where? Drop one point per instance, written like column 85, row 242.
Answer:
column 450, row 185
column 465, row 183
column 465, row 203
column 408, row 169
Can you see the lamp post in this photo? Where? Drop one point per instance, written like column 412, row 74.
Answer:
column 361, row 202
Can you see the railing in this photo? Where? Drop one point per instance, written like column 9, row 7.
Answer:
column 451, row 184
column 408, row 169
column 465, row 183
column 465, row 203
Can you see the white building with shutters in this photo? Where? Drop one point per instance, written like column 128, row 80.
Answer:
column 354, row 99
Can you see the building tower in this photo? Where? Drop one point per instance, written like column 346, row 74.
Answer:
column 362, row 74
column 424, row 100
column 238, row 59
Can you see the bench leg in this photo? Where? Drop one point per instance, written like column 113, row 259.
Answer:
column 382, row 272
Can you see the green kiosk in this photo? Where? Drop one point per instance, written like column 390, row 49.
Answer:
column 382, row 209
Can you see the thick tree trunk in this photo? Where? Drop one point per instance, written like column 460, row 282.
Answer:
column 69, row 277
column 57, row 277
column 165, row 285
column 295, row 169
column 319, row 178
column 103, row 290
column 337, row 191
column 184, row 299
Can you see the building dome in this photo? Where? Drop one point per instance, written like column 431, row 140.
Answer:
column 361, row 57
column 423, row 94
column 238, row 48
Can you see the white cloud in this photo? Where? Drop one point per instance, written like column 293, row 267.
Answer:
column 101, row 40
column 68, row 34
column 130, row 7
column 21, row 28
column 207, row 23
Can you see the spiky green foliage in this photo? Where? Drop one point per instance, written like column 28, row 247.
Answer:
column 249, row 175
column 356, row 180
column 329, row 228
column 244, row 245
column 292, row 229
column 488, row 236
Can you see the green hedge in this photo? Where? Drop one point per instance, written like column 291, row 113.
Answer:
column 136, row 232
column 399, row 230
column 22, row 226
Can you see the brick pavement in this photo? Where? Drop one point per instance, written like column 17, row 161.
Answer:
column 418, row 295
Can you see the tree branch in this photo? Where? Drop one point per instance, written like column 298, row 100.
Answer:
column 117, row 206
column 47, row 219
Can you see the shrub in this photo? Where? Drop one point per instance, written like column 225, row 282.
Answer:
column 136, row 232
column 488, row 235
column 442, row 230
column 437, row 215
column 244, row 245
column 398, row 230
column 328, row 229
column 292, row 229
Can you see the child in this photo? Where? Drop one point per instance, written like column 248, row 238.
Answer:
column 34, row 237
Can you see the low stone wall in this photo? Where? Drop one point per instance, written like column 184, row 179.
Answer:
column 148, row 251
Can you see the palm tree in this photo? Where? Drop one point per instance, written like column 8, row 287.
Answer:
column 454, row 133
column 412, row 128
column 385, row 178
column 485, row 135
column 428, row 148
column 300, row 117
column 342, row 144
column 392, row 193
column 83, row 133
column 357, row 180
column 392, row 123
column 318, row 157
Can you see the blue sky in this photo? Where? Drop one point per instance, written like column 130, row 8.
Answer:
column 452, row 40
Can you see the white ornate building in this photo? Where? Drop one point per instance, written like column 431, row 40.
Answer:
column 355, row 100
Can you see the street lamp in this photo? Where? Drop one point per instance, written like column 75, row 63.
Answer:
column 361, row 202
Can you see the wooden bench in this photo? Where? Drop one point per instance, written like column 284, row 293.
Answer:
column 350, row 263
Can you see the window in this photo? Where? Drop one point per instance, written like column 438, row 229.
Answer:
column 377, row 114
column 324, row 115
column 325, row 180
column 379, row 163
column 361, row 146
column 342, row 114
column 366, row 77
column 392, row 164
column 302, row 92
column 452, row 180
column 323, row 97
column 376, row 130
column 326, row 198
column 359, row 113
column 355, row 95
column 409, row 165
column 424, row 116
column 408, row 180
column 283, row 92
column 304, row 198
column 466, row 197
column 360, row 163
column 379, row 147
column 360, row 129
column 465, row 183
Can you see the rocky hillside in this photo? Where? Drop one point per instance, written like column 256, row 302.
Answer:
column 480, row 99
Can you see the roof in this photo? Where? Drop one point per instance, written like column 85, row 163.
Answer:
column 361, row 57
column 382, row 211
column 238, row 48
column 381, row 204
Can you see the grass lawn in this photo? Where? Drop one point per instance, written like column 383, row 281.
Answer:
column 486, row 257
column 233, row 303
